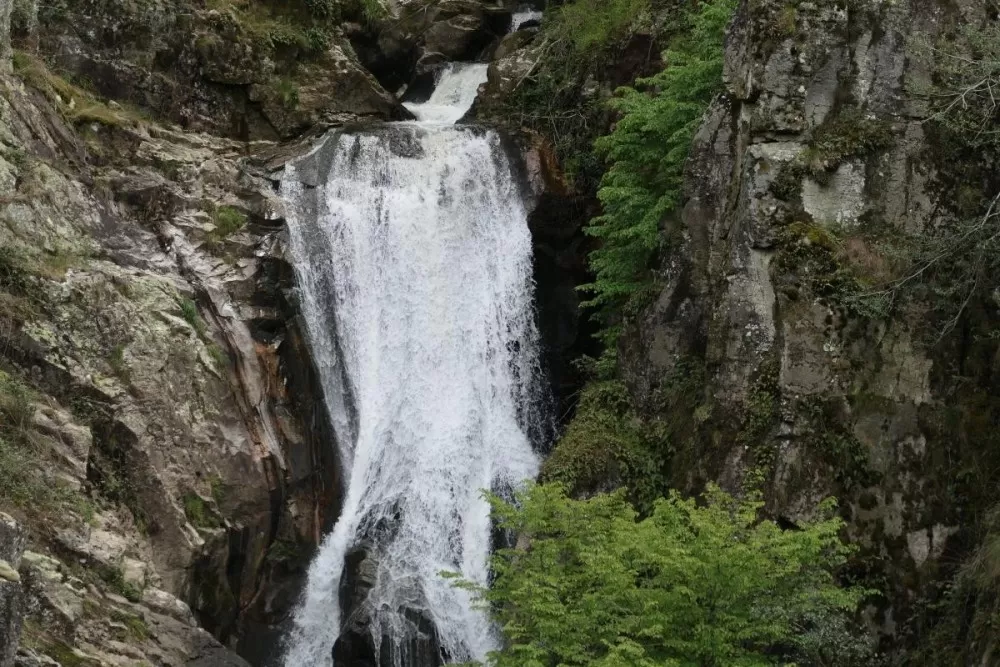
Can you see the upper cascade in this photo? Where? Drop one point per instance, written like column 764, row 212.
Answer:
column 457, row 85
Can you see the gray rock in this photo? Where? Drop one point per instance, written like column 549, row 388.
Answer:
column 11, row 591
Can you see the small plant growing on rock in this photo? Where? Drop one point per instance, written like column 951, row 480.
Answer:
column 136, row 628
column 198, row 512
column 227, row 221
column 115, row 579
column 117, row 362
column 851, row 134
column 189, row 311
column 288, row 92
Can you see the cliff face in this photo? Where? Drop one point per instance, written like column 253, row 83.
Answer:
column 161, row 441
column 779, row 296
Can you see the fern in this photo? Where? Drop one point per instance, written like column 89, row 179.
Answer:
column 646, row 153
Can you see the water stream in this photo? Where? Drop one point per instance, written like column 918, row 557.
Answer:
column 413, row 260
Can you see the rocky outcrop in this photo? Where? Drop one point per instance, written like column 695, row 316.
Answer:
column 73, row 618
column 153, row 361
column 246, row 71
column 332, row 90
column 11, row 596
column 556, row 218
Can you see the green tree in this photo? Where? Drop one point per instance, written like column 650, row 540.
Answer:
column 690, row 585
column 646, row 153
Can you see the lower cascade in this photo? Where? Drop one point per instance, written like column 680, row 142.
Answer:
column 413, row 258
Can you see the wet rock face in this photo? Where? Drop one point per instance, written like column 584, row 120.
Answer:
column 11, row 597
column 556, row 218
column 356, row 645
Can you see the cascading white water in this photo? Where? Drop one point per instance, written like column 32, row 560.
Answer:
column 414, row 265
column 522, row 16
column 453, row 95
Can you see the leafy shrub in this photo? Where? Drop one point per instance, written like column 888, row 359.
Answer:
column 604, row 448
column 646, row 153
column 229, row 219
column 692, row 584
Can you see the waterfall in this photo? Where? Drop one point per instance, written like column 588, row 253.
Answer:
column 453, row 95
column 413, row 259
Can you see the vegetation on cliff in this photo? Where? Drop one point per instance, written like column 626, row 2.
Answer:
column 646, row 152
column 691, row 584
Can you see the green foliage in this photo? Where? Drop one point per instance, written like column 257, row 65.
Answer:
column 189, row 311
column 198, row 512
column 228, row 219
column 118, row 363
column 20, row 486
column 761, row 417
column 692, row 584
column 605, row 447
column 835, row 443
column 218, row 488
column 114, row 577
column 371, row 11
column 16, row 408
column 288, row 92
column 288, row 554
column 646, row 154
column 23, row 483
column 56, row 649
column 14, row 271
column 590, row 24
column 822, row 267
column 135, row 627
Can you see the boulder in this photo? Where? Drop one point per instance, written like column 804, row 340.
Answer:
column 454, row 38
